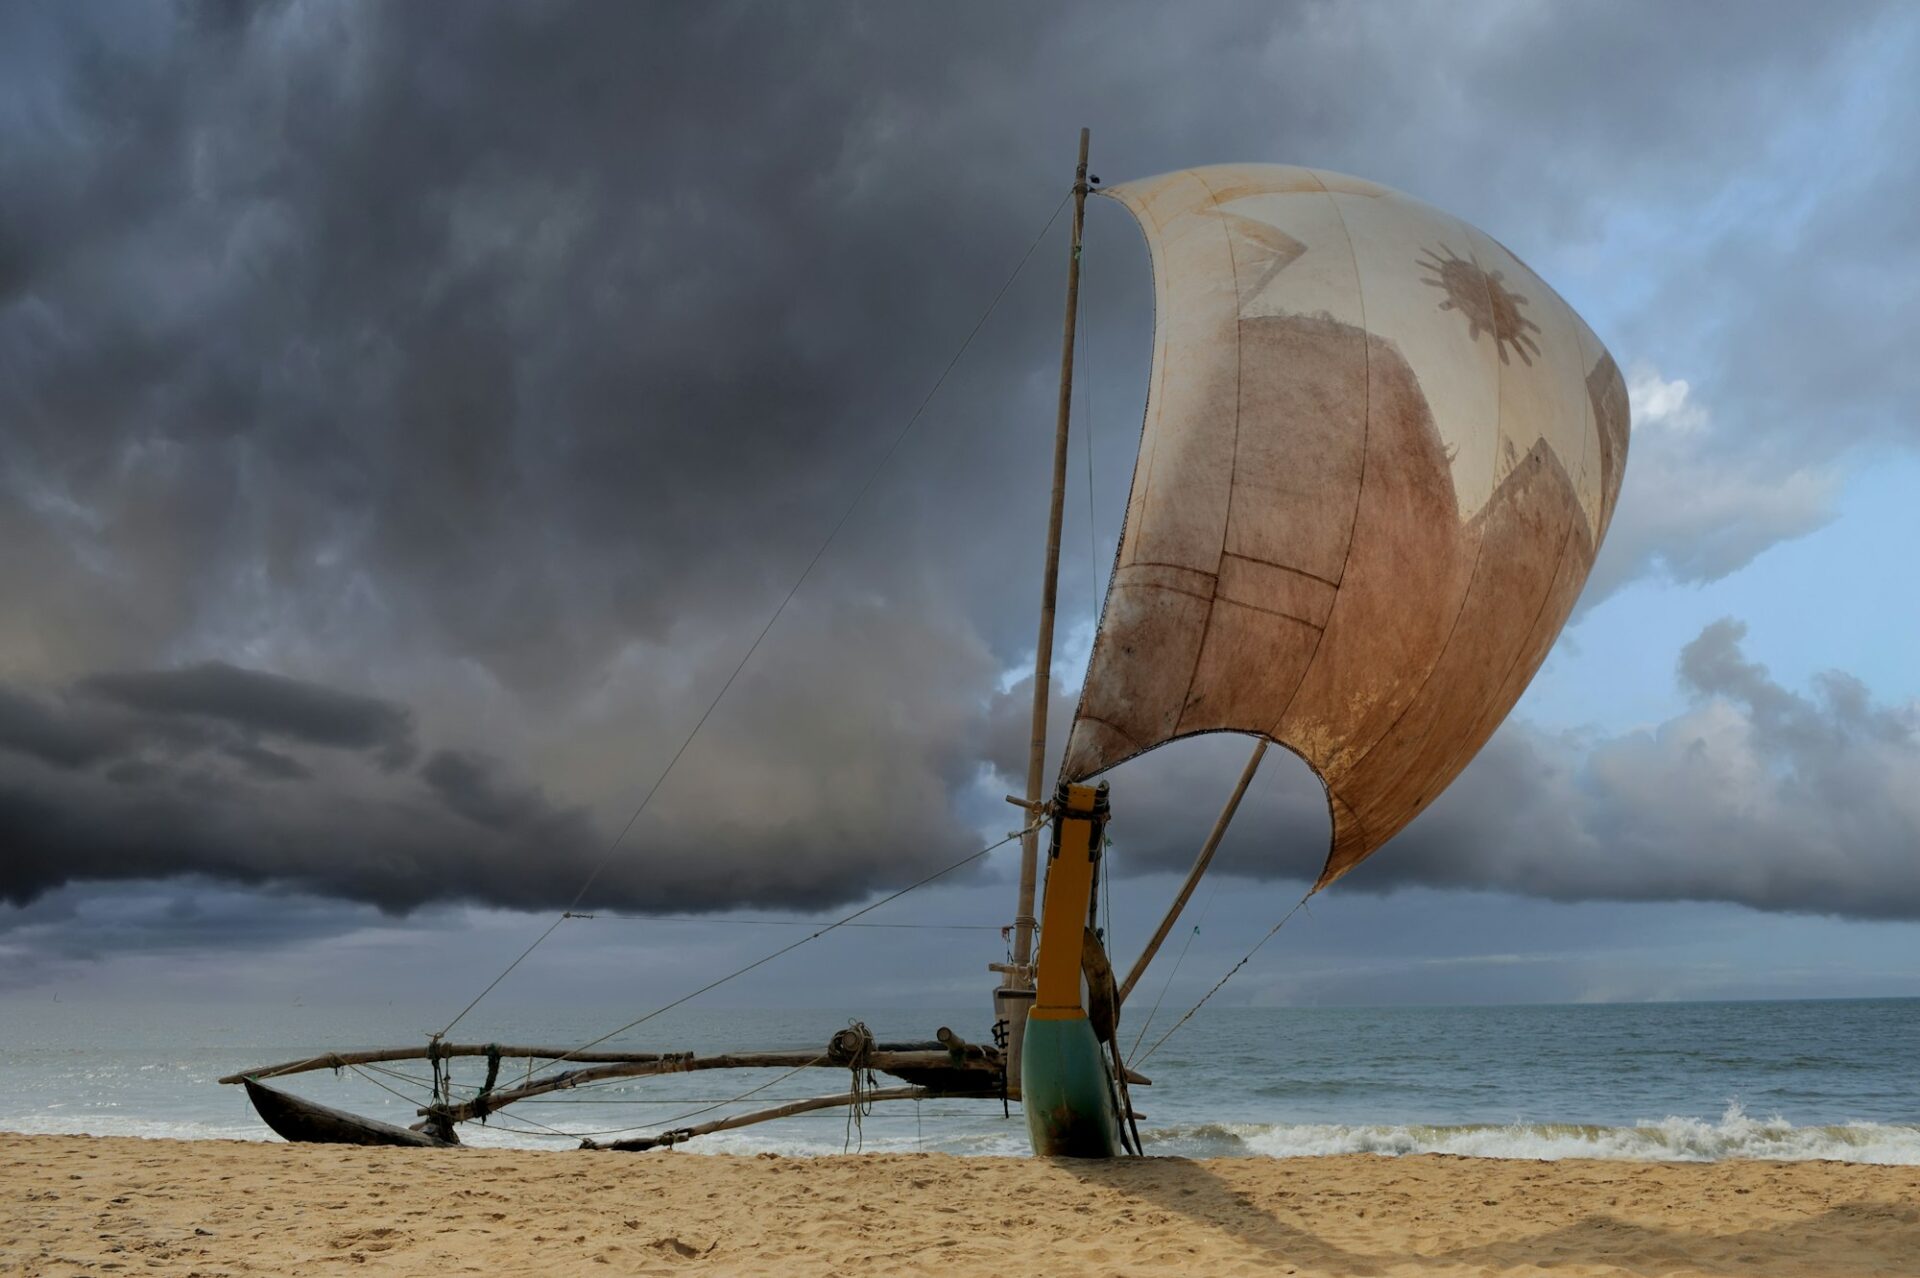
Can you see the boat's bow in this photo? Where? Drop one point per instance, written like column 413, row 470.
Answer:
column 307, row 1122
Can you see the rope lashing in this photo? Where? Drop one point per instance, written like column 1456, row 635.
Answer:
column 436, row 1060
column 854, row 1047
column 482, row 1106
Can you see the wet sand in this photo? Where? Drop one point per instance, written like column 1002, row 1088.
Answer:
column 77, row 1204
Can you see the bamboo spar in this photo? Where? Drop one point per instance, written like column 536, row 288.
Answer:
column 578, row 1055
column 1023, row 923
column 1200, row 864
column 883, row 1062
column 671, row 1138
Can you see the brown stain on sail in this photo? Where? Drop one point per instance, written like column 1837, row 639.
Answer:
column 1427, row 641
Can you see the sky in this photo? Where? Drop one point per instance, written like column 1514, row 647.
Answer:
column 409, row 420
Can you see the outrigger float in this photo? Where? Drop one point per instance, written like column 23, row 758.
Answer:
column 1378, row 458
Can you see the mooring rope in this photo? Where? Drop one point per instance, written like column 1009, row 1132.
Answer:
column 1245, row 959
column 1134, row 1051
column 606, row 858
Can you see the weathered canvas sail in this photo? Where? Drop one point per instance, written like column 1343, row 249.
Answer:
column 1379, row 457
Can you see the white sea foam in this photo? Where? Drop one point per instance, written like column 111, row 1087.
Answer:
column 1677, row 1139
column 1674, row 1139
column 86, row 1124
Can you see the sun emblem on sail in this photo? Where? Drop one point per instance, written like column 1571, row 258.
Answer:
column 1484, row 300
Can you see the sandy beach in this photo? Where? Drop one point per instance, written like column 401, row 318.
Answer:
column 76, row 1204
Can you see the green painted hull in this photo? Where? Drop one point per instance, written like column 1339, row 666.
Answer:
column 1065, row 1092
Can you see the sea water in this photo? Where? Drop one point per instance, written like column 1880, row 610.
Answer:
column 1688, row 1081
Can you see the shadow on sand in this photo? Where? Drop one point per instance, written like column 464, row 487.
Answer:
column 1857, row 1238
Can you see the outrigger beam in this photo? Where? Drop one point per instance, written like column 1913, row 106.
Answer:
column 679, row 1134
column 442, row 1051
column 895, row 1063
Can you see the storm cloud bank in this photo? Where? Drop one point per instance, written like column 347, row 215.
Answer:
column 1756, row 795
column 260, row 779
column 406, row 423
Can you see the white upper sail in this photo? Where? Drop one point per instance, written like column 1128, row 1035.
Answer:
column 1378, row 459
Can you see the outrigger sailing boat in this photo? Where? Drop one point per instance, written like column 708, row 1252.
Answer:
column 1379, row 457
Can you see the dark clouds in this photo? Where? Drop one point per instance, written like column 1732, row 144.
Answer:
column 271, row 705
column 409, row 418
column 221, row 772
column 1756, row 795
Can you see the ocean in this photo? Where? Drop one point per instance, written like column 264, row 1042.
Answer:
column 1690, row 1081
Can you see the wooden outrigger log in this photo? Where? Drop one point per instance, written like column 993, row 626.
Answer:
column 948, row 1067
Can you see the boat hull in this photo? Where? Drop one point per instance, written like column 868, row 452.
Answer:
column 1065, row 1091
column 310, row 1123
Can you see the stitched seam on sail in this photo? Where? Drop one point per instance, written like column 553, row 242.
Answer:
column 1546, row 597
column 1126, row 511
column 1155, row 403
column 1359, row 489
column 1239, row 378
column 1268, row 563
column 1233, row 458
column 1114, row 728
column 1271, row 612
column 1161, row 563
column 1590, row 441
column 1172, row 590
column 1479, row 548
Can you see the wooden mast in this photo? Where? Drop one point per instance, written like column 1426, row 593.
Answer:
column 1023, row 923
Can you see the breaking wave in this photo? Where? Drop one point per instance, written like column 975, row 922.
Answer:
column 1671, row 1139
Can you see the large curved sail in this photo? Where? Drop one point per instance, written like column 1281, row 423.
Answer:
column 1379, row 457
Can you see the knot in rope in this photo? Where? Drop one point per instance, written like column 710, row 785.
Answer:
column 482, row 1103
column 853, row 1047
column 436, row 1059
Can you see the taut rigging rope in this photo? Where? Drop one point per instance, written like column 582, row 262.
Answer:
column 1245, row 959
column 606, row 858
column 786, row 949
column 1154, row 1011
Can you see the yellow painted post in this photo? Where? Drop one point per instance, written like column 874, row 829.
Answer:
column 1063, row 914
column 1065, row 1089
